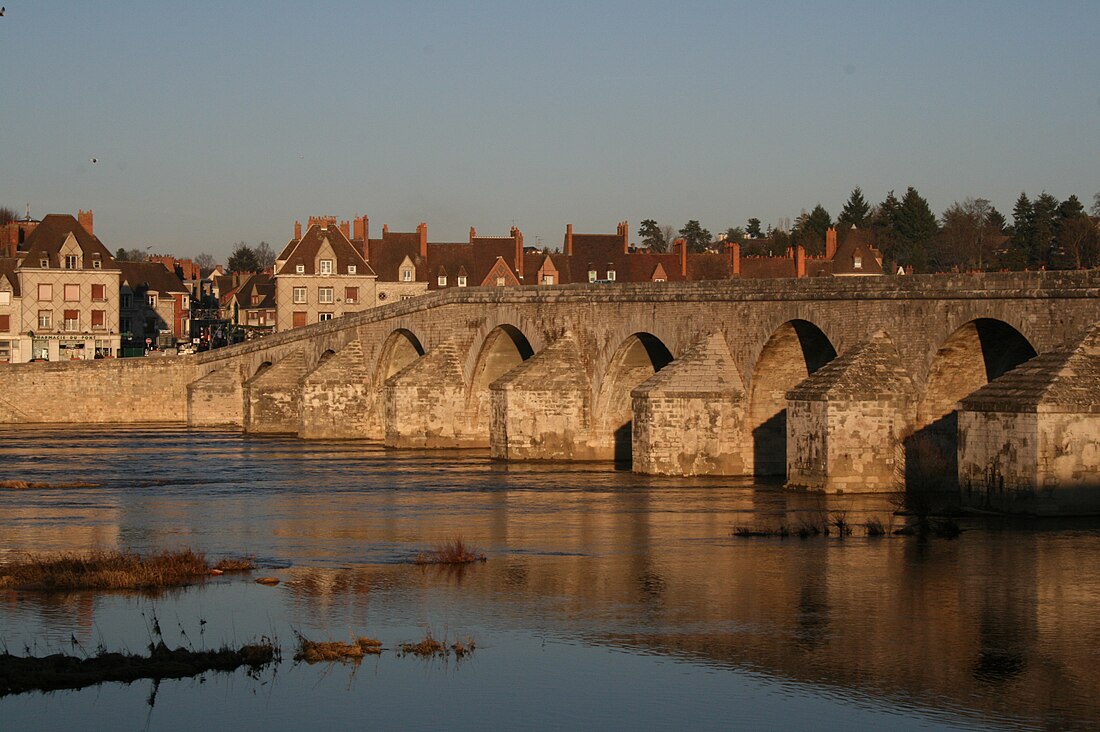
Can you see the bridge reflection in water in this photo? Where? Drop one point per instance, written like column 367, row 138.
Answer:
column 999, row 625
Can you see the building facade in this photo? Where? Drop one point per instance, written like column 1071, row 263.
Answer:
column 154, row 305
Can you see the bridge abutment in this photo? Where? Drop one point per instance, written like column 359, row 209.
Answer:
column 217, row 398
column 273, row 398
column 336, row 397
column 425, row 402
column 689, row 417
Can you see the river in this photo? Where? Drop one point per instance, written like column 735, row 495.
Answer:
column 609, row 600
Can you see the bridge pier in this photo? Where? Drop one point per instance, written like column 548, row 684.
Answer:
column 1029, row 441
column 425, row 403
column 336, row 397
column 273, row 398
column 845, row 423
column 540, row 410
column 217, row 398
column 689, row 417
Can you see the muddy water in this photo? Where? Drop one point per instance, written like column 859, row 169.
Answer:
column 609, row 600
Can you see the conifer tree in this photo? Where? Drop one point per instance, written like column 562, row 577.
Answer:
column 856, row 211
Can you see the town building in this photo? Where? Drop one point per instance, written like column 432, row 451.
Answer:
column 251, row 305
column 154, row 305
column 59, row 297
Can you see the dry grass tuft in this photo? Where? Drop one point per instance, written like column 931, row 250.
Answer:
column 427, row 647
column 874, row 527
column 24, row 485
column 452, row 551
column 463, row 648
column 104, row 570
column 329, row 651
column 239, row 564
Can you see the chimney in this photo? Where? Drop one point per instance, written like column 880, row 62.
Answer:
column 298, row 230
column 357, row 229
column 473, row 234
column 569, row 240
column 624, row 232
column 735, row 258
column 422, row 231
column 800, row 261
column 345, row 229
column 680, row 247
column 518, row 236
column 85, row 219
column 385, row 230
column 830, row 243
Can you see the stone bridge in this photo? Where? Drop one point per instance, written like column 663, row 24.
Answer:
column 839, row 383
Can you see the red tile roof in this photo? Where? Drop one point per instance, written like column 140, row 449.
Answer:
column 304, row 253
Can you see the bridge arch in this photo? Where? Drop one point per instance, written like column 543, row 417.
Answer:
column 504, row 348
column 329, row 353
column 261, row 368
column 400, row 349
column 796, row 349
column 637, row 358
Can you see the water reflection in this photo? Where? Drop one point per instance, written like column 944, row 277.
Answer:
column 998, row 626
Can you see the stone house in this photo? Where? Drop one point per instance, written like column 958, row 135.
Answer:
column 154, row 305
column 60, row 295
column 321, row 275
column 252, row 303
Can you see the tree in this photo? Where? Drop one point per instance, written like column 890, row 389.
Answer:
column 916, row 229
column 1044, row 229
column 734, row 234
column 130, row 255
column 968, row 235
column 1096, row 204
column 668, row 232
column 1023, row 227
column 652, row 237
column 856, row 211
column 243, row 259
column 752, row 228
column 265, row 255
column 696, row 236
column 205, row 261
column 7, row 215
column 997, row 222
column 882, row 225
column 1078, row 242
column 810, row 228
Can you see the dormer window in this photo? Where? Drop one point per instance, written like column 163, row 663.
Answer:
column 72, row 261
column 462, row 280
column 591, row 275
column 299, row 269
column 548, row 279
column 97, row 264
column 351, row 269
column 44, row 263
column 406, row 275
column 442, row 280
column 857, row 262
column 610, row 275
column 326, row 266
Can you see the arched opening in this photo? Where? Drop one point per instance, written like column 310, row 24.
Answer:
column 971, row 357
column 261, row 368
column 325, row 357
column 400, row 349
column 639, row 357
column 504, row 348
column 797, row 349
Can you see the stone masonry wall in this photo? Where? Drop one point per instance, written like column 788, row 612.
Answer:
column 998, row 459
column 336, row 397
column 217, row 398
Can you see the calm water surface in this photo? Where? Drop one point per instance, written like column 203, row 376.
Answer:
column 609, row 600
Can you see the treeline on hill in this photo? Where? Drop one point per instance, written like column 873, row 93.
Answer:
column 1045, row 233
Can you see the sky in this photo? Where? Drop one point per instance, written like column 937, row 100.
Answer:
column 219, row 122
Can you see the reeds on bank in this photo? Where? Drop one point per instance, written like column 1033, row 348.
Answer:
column 102, row 569
column 452, row 551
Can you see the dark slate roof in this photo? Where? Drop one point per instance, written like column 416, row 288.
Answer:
column 152, row 276
column 759, row 268
column 857, row 243
column 258, row 284
column 305, row 252
column 387, row 254
column 1062, row 381
column 871, row 371
column 46, row 240
column 7, row 271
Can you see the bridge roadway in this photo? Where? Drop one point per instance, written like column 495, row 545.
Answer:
column 681, row 378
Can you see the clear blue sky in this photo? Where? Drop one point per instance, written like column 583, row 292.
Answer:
column 216, row 122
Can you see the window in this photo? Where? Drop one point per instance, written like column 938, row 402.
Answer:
column 548, row 279
column 99, row 319
column 152, row 300
column 71, row 261
column 442, row 280
column 45, row 293
column 271, row 316
column 72, row 320
column 99, row 293
column 591, row 275
column 97, row 263
column 124, row 326
column 44, row 263
column 5, row 323
column 127, row 300
column 406, row 275
column 45, row 319
column 253, row 316
column 351, row 269
column 610, row 275
column 256, row 299
column 659, row 279
column 324, row 294
column 322, row 317
column 462, row 280
column 857, row 262
column 185, row 303
column 326, row 266
column 299, row 269
column 500, row 281
column 299, row 295
column 72, row 293
column 5, row 351
column 299, row 318
column 351, row 295
column 5, row 297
